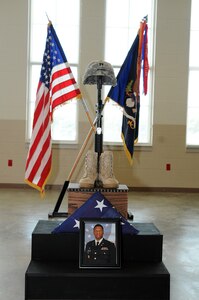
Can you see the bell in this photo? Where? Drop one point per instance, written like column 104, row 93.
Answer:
column 99, row 69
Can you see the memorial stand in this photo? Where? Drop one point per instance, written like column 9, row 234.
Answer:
column 54, row 273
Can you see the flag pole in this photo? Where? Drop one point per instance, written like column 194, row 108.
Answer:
column 88, row 115
column 48, row 17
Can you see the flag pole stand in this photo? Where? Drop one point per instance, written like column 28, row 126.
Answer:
column 55, row 212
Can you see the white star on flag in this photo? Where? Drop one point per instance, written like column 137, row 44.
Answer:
column 100, row 205
column 76, row 224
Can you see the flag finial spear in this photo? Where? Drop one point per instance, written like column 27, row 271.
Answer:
column 49, row 21
column 145, row 19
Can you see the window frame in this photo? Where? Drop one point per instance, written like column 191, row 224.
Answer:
column 57, row 143
column 151, row 78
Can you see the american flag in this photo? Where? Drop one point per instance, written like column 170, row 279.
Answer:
column 97, row 206
column 56, row 86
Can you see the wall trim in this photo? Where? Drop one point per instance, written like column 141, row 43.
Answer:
column 131, row 189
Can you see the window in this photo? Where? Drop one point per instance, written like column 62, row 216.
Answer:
column 61, row 13
column 122, row 24
column 121, row 27
column 192, row 133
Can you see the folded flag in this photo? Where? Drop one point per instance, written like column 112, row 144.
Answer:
column 97, row 206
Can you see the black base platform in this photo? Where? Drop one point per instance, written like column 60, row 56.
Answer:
column 53, row 272
column 54, row 280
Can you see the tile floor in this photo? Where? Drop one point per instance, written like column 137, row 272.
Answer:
column 175, row 214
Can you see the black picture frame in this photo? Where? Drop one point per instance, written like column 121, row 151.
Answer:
column 106, row 255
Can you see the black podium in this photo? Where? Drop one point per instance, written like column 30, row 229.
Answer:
column 53, row 272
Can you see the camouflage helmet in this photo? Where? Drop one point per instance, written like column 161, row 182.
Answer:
column 102, row 69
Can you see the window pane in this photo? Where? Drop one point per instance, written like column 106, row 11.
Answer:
column 113, row 15
column 194, row 49
column 38, row 40
column 114, row 133
column 144, row 125
column 193, row 126
column 194, row 15
column 193, row 88
column 192, row 132
column 122, row 25
column 114, row 53
column 64, row 127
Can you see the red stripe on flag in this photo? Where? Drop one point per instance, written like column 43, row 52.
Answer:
column 39, row 103
column 45, row 173
column 61, row 72
column 63, row 85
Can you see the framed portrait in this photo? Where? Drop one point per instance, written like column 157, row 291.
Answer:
column 100, row 243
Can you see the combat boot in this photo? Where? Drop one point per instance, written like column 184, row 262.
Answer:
column 90, row 172
column 106, row 170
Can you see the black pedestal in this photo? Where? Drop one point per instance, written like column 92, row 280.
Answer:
column 61, row 280
column 53, row 272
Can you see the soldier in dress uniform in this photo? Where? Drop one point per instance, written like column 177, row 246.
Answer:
column 100, row 251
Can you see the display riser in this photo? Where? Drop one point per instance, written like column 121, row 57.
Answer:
column 118, row 197
column 149, row 281
column 54, row 273
column 146, row 246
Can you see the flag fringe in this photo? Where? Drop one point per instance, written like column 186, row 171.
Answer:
column 107, row 99
column 33, row 185
column 128, row 154
column 40, row 189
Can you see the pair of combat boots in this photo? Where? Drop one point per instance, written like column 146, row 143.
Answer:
column 106, row 176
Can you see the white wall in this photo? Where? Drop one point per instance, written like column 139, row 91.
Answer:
column 170, row 98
